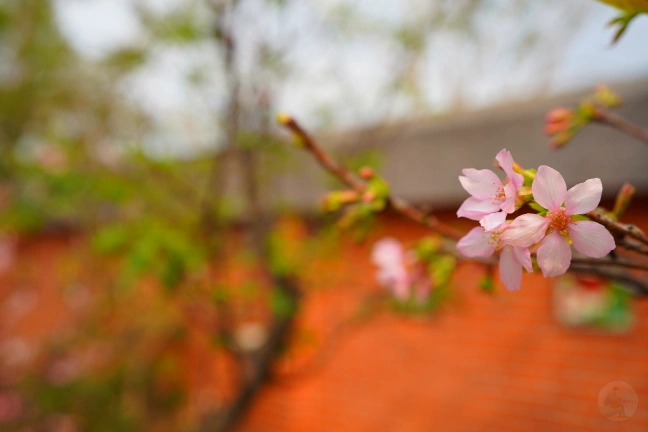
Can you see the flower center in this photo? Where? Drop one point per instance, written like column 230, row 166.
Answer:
column 495, row 239
column 500, row 195
column 559, row 221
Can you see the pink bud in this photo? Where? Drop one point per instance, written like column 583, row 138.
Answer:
column 366, row 172
column 559, row 115
column 368, row 196
column 623, row 199
column 556, row 127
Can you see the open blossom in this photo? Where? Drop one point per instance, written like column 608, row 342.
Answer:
column 557, row 228
column 388, row 255
column 491, row 199
column 481, row 243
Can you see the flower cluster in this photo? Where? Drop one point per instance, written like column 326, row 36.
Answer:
column 554, row 229
column 563, row 124
column 394, row 271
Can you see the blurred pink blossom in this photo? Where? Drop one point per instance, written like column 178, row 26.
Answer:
column 389, row 256
column 11, row 406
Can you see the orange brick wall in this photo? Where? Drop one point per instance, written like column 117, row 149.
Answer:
column 484, row 363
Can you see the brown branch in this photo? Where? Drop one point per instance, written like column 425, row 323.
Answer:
column 411, row 212
column 593, row 262
column 339, row 171
column 600, row 216
column 346, row 176
column 608, row 118
column 636, row 286
column 322, row 357
column 260, row 363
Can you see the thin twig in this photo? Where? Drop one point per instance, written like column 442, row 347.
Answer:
column 600, row 216
column 608, row 118
column 346, row 176
column 609, row 263
column 411, row 212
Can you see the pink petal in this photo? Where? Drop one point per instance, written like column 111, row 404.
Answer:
column 475, row 209
column 549, row 188
column 493, row 221
column 584, row 197
column 554, row 255
column 401, row 288
column 510, row 191
column 387, row 252
column 523, row 257
column 505, row 160
column 477, row 243
column 525, row 230
column 591, row 238
column 481, row 184
column 510, row 269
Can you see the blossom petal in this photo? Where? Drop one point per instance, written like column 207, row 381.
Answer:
column 401, row 287
column 505, row 159
column 591, row 238
column 493, row 221
column 475, row 209
column 583, row 197
column 510, row 192
column 554, row 255
column 477, row 243
column 387, row 252
column 549, row 188
column 525, row 230
column 481, row 184
column 523, row 256
column 510, row 270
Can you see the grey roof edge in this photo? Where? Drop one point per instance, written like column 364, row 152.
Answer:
column 628, row 89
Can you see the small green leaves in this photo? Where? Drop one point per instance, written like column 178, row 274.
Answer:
column 621, row 23
column 487, row 284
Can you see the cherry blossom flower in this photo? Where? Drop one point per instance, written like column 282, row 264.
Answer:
column 491, row 199
column 558, row 228
column 481, row 243
column 388, row 255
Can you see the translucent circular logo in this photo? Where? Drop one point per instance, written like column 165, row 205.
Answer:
column 618, row 401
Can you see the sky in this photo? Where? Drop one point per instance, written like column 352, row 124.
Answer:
column 331, row 74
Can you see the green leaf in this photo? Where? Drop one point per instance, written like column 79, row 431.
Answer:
column 282, row 304
column 126, row 59
column 621, row 22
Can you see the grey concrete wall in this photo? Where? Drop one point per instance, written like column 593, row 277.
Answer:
column 422, row 159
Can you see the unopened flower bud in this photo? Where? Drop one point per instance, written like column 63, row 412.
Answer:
column 368, row 196
column 607, row 97
column 557, row 127
column 623, row 199
column 366, row 172
column 524, row 194
column 283, row 118
column 334, row 200
column 561, row 139
column 558, row 115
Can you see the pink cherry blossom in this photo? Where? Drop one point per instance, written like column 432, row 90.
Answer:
column 491, row 199
column 389, row 256
column 558, row 227
column 481, row 243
